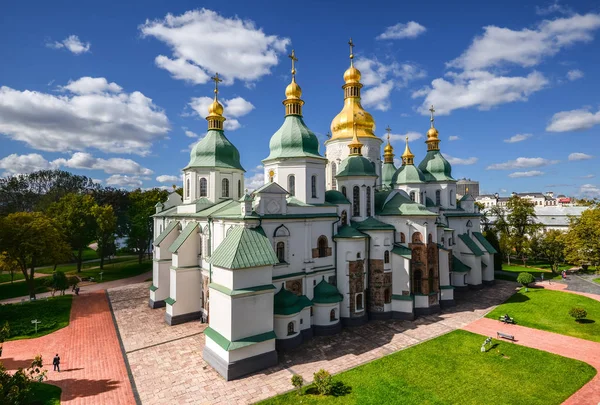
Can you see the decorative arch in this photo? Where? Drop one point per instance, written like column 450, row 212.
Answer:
column 344, row 191
column 333, row 173
column 187, row 187
column 358, row 302
column 291, row 329
column 206, row 241
column 332, row 317
column 313, row 185
column 228, row 230
column 292, row 184
column 225, row 188
column 344, row 218
column 417, row 279
column 386, row 256
column 203, row 187
column 469, row 223
column 356, row 201
column 430, row 238
column 402, row 237
column 452, row 198
column 368, row 201
column 323, row 246
column 280, row 252
column 417, row 237
column 412, row 196
column 431, row 280
column 239, row 194
column 387, row 296
column 438, row 197
column 281, row 231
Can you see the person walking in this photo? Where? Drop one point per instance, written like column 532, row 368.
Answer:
column 56, row 363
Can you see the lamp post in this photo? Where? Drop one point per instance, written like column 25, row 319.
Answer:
column 101, row 273
column 35, row 322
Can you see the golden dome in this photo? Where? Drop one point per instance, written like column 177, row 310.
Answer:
column 432, row 133
column 407, row 156
column 293, row 91
column 352, row 75
column 215, row 108
column 388, row 149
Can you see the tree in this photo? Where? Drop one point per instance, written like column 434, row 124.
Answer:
column 491, row 237
column 140, row 224
column 73, row 215
column 525, row 279
column 106, row 226
column 16, row 388
column 323, row 382
column 8, row 265
column 552, row 247
column 578, row 313
column 4, row 334
column 118, row 199
column 582, row 240
column 30, row 238
column 297, row 382
column 59, row 282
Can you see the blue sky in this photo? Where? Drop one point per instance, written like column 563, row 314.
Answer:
column 118, row 92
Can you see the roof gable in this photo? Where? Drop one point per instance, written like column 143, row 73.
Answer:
column 244, row 248
column 271, row 188
column 471, row 245
column 172, row 225
column 187, row 231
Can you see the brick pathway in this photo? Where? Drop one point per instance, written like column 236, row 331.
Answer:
column 562, row 345
column 93, row 369
column 167, row 365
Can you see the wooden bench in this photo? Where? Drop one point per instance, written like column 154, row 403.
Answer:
column 510, row 320
column 504, row 336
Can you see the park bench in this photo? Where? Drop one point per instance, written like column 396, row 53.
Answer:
column 504, row 336
column 509, row 320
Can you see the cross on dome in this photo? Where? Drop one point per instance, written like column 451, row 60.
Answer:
column 351, row 51
column 292, row 56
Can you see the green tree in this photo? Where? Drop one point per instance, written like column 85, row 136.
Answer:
column 118, row 199
column 582, row 240
column 60, row 282
column 29, row 238
column 15, row 388
column 140, row 224
column 552, row 247
column 106, row 226
column 73, row 214
column 525, row 279
column 8, row 265
column 491, row 237
column 4, row 334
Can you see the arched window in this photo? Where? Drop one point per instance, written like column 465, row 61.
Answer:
column 358, row 255
column 417, row 277
column 386, row 256
column 291, row 328
column 359, row 305
column 344, row 191
column 429, row 238
column 292, row 184
column 322, row 246
column 356, row 201
column 431, row 280
column 452, row 199
column 368, row 201
column 412, row 195
column 313, row 185
column 402, row 237
column 332, row 315
column 438, row 197
column 333, row 173
column 187, row 188
column 421, row 200
column 344, row 218
column 225, row 186
column 417, row 238
column 387, row 296
column 281, row 252
column 239, row 189
column 203, row 187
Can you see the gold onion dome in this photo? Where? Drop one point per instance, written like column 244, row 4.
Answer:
column 293, row 103
column 352, row 75
column 407, row 156
column 388, row 150
column 293, row 91
column 433, row 140
column 215, row 109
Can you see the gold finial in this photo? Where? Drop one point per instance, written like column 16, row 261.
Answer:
column 351, row 51
column 433, row 141
column 217, row 80
column 356, row 145
column 215, row 110
column 388, row 150
column 293, row 92
column 432, row 110
column 407, row 156
column 292, row 56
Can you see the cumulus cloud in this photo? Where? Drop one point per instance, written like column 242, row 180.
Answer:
column 167, row 179
column 552, row 8
column 412, row 136
column 232, row 109
column 191, row 134
column 574, row 74
column 588, row 176
column 522, row 163
column 204, row 42
column 460, row 161
column 411, row 29
column 82, row 160
column 93, row 114
column 518, row 138
column 531, row 173
column 119, row 180
column 579, row 156
column 574, row 120
column 22, row 164
column 453, row 138
column 71, row 43
column 589, row 190
column 256, row 178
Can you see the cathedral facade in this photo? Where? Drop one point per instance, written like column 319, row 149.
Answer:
column 329, row 241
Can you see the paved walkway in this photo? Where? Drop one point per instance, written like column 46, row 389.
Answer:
column 565, row 288
column 562, row 345
column 93, row 369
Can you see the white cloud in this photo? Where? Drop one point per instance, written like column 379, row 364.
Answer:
column 531, row 173
column 460, row 161
column 526, row 47
column 119, row 180
column 480, row 89
column 518, row 138
column 255, row 181
column 167, row 179
column 380, row 79
column 111, row 121
column 237, row 107
column 22, row 164
column 411, row 29
column 574, row 74
column 522, row 163
column 204, row 42
column 232, row 109
column 82, row 160
column 574, row 120
column 552, row 8
column 191, row 134
column 589, row 190
column 579, row 156
column 588, row 176
column 412, row 136
column 72, row 43
column 453, row 138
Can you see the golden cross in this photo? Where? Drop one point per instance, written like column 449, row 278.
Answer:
column 388, row 129
column 432, row 111
column 217, row 80
column 294, row 59
column 351, row 50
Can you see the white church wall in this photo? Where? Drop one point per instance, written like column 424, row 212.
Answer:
column 252, row 350
column 443, row 270
column 185, row 289
column 281, row 325
column 305, row 319
column 161, row 276
column 322, row 312
column 251, row 315
column 220, row 312
column 337, row 150
column 252, row 277
column 400, row 274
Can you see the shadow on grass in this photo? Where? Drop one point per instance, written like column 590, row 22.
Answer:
column 339, row 389
column 586, row 321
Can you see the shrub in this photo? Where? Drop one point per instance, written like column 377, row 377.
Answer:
column 578, row 313
column 297, row 382
column 323, row 382
column 15, row 388
column 525, row 279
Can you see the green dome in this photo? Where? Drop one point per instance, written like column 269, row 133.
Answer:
column 408, row 174
column 387, row 174
column 356, row 166
column 325, row 293
column 286, row 302
column 215, row 150
column 335, row 197
column 435, row 167
column 293, row 139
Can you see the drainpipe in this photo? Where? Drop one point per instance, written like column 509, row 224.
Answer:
column 335, row 255
column 209, row 250
column 368, row 258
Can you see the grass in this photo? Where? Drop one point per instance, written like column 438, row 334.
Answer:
column 549, row 310
column 19, row 289
column 536, row 272
column 72, row 267
column 596, row 280
column 5, row 277
column 53, row 313
column 451, row 369
column 129, row 268
column 44, row 394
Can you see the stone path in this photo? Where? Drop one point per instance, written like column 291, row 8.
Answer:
column 583, row 283
column 562, row 345
column 92, row 367
column 566, row 288
column 167, row 365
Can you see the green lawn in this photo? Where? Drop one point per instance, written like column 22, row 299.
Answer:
column 53, row 313
column 117, row 271
column 451, row 370
column 19, row 289
column 72, row 267
column 5, row 277
column 549, row 310
column 537, row 273
column 597, row 280
column 44, row 394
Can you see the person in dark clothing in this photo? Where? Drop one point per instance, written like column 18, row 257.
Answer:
column 56, row 363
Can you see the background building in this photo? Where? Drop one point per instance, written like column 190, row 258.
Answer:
column 467, row 186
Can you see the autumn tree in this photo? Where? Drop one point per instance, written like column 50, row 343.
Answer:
column 106, row 226
column 140, row 223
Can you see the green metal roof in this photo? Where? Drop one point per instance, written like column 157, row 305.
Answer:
column 187, row 231
column 484, row 242
column 165, row 232
column 401, row 205
column 335, row 197
column 243, row 248
column 429, row 202
column 325, row 293
column 293, row 139
column 435, row 167
column 471, row 244
column 215, row 150
column 229, row 345
column 401, row 250
column 459, row 266
column 387, row 174
column 348, row 232
column 372, row 224
column 408, row 174
column 356, row 166
column 286, row 302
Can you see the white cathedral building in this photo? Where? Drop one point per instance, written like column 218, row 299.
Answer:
column 329, row 241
